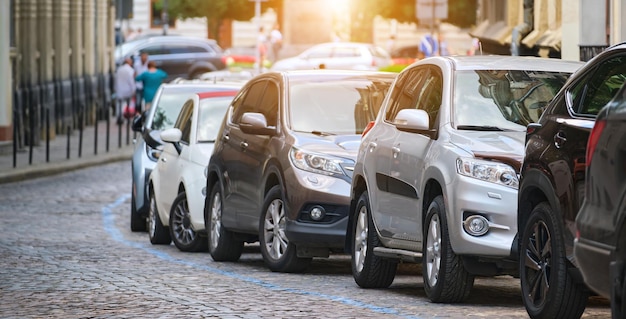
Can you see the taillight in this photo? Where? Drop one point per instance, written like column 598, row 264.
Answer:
column 367, row 128
column 596, row 131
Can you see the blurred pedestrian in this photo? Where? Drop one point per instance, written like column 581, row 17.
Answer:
column 262, row 47
column 151, row 79
column 428, row 45
column 391, row 43
column 276, row 41
column 124, row 88
column 443, row 45
column 141, row 66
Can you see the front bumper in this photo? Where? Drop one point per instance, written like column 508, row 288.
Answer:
column 498, row 204
column 305, row 191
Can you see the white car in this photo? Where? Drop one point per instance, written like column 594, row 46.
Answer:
column 337, row 55
column 177, row 184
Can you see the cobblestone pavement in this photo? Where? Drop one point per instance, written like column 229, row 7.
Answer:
column 66, row 251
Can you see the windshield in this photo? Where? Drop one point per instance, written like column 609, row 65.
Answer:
column 335, row 107
column 210, row 117
column 503, row 99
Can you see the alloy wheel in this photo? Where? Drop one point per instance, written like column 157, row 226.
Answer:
column 360, row 239
column 216, row 220
column 276, row 241
column 433, row 251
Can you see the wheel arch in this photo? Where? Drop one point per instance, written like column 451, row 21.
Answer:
column 535, row 188
column 432, row 189
column 359, row 185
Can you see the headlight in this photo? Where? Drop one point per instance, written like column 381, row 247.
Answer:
column 317, row 163
column 494, row 172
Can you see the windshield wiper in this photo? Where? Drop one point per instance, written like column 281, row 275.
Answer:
column 320, row 133
column 479, row 128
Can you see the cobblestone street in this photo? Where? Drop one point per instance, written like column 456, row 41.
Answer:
column 66, row 251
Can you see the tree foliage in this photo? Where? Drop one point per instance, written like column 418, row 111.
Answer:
column 459, row 11
column 216, row 11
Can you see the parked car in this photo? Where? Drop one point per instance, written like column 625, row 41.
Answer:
column 337, row 55
column 405, row 55
column 601, row 221
column 552, row 185
column 148, row 146
column 282, row 163
column 435, row 179
column 176, row 185
column 178, row 56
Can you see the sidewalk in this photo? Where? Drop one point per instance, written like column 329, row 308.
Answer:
column 58, row 160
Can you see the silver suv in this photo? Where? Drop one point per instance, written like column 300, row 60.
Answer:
column 436, row 177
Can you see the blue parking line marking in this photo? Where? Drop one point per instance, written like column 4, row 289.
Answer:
column 108, row 219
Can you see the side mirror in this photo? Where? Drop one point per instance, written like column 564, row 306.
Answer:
column 255, row 123
column 173, row 135
column 153, row 138
column 414, row 121
column 137, row 125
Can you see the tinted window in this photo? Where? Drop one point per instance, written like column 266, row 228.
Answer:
column 507, row 99
column 429, row 95
column 404, row 92
column 249, row 100
column 346, row 52
column 182, row 49
column 599, row 87
column 154, row 50
column 269, row 104
column 320, row 53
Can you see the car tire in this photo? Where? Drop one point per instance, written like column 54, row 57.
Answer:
column 445, row 277
column 138, row 223
column 181, row 232
column 159, row 234
column 368, row 270
column 278, row 253
column 221, row 242
column 548, row 288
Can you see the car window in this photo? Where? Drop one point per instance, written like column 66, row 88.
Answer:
column 183, row 48
column 346, row 52
column 183, row 123
column 506, row 99
column 167, row 109
column 404, row 92
column 319, row 53
column 269, row 104
column 211, row 113
column 249, row 101
column 155, row 49
column 335, row 107
column 598, row 87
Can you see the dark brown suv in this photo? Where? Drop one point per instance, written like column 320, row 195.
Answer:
column 282, row 164
column 552, row 184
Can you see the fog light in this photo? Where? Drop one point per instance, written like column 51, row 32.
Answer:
column 317, row 213
column 476, row 225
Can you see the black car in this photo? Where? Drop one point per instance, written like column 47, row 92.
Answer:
column 552, row 184
column 178, row 56
column 601, row 221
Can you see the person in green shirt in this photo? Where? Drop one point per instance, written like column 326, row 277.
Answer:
column 151, row 79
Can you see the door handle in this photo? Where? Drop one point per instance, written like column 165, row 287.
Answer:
column 243, row 145
column 559, row 139
column 163, row 159
column 371, row 146
column 226, row 138
column 395, row 150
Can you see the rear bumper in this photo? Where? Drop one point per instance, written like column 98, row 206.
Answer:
column 594, row 260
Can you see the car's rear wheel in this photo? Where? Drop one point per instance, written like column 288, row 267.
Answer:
column 159, row 234
column 445, row 277
column 222, row 244
column 183, row 235
column 369, row 271
column 278, row 253
column 548, row 288
column 137, row 222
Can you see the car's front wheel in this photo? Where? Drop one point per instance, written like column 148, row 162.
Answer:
column 369, row 271
column 159, row 234
column 548, row 288
column 445, row 277
column 278, row 253
column 183, row 235
column 222, row 244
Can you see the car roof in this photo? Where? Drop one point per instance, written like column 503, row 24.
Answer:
column 505, row 62
column 329, row 73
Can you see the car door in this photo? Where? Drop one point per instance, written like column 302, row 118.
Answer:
column 172, row 162
column 240, row 160
column 386, row 189
column 410, row 152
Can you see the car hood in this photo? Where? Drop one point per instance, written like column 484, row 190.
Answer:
column 345, row 146
column 506, row 147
